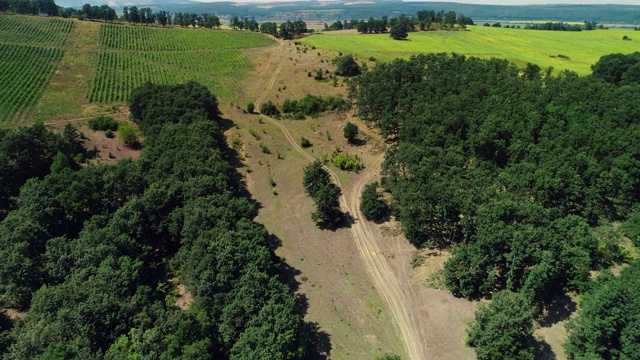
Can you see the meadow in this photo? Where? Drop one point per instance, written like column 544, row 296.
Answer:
column 578, row 50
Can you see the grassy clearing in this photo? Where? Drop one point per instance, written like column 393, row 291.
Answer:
column 519, row 46
column 66, row 95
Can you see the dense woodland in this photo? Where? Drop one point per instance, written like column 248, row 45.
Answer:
column 516, row 171
column 95, row 253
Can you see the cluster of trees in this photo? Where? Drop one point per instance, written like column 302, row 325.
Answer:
column 560, row 26
column 424, row 19
column 134, row 15
column 312, row 105
column 246, row 23
column 287, row 30
column 608, row 324
column 317, row 184
column 29, row 152
column 103, row 12
column 512, row 169
column 88, row 251
column 619, row 69
column 30, row 7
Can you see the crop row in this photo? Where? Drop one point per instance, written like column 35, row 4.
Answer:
column 26, row 71
column 119, row 73
column 30, row 30
column 138, row 38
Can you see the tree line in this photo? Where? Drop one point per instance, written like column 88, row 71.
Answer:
column 517, row 172
column 29, row 7
column 424, row 20
column 95, row 254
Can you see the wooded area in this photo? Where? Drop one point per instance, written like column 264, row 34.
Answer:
column 95, row 254
column 511, row 169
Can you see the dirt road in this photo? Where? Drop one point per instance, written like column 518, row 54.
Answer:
column 396, row 292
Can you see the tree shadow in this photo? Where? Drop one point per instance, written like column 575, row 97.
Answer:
column 560, row 309
column 543, row 351
column 344, row 222
column 358, row 142
column 319, row 340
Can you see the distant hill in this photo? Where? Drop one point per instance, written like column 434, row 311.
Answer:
column 350, row 9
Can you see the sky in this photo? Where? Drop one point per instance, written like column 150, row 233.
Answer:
column 493, row 2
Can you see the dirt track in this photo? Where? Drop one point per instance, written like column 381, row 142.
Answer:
column 396, row 292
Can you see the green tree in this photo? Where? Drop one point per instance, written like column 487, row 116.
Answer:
column 608, row 324
column 347, row 66
column 315, row 177
column 327, row 205
column 350, row 132
column 398, row 32
column 503, row 329
column 251, row 107
column 128, row 135
column 372, row 207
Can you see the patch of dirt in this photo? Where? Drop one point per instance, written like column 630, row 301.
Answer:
column 14, row 314
column 185, row 298
column 338, row 270
column 108, row 150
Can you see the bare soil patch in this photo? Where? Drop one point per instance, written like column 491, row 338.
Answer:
column 358, row 281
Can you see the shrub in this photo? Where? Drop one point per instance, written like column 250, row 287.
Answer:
column 128, row 135
column 269, row 109
column 251, row 107
column 103, row 123
column 305, row 143
column 350, row 132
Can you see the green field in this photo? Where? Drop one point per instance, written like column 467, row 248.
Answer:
column 519, row 46
column 134, row 55
column 30, row 50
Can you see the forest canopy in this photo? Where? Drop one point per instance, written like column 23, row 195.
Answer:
column 95, row 254
column 510, row 171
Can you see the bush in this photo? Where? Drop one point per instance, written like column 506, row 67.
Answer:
column 251, row 107
column 350, row 132
column 269, row 109
column 103, row 123
column 371, row 206
column 347, row 67
column 305, row 143
column 129, row 135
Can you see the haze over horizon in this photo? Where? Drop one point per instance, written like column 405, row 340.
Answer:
column 479, row 2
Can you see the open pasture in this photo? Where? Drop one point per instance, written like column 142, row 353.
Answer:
column 579, row 50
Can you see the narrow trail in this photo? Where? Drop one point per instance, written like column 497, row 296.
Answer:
column 396, row 292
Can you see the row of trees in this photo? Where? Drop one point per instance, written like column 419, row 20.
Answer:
column 30, row 7
column 424, row 19
column 88, row 251
column 147, row 16
column 560, row 26
column 287, row 30
column 516, row 171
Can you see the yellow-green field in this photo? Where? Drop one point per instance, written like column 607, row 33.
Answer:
column 519, row 46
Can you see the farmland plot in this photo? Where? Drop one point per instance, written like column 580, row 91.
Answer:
column 30, row 49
